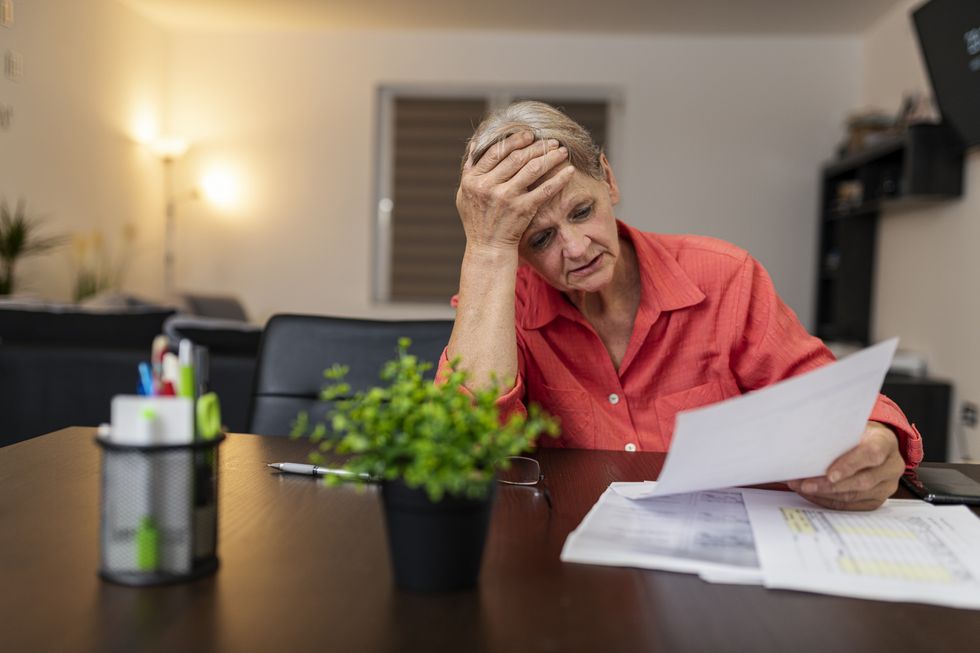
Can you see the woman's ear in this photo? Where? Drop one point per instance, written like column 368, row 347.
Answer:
column 610, row 179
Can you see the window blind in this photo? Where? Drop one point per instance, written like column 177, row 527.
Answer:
column 427, row 239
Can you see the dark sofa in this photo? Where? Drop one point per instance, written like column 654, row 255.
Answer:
column 61, row 367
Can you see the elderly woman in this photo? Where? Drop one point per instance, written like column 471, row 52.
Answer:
column 615, row 330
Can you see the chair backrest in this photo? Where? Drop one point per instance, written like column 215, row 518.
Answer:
column 296, row 349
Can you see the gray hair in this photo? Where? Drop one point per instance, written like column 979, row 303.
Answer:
column 545, row 122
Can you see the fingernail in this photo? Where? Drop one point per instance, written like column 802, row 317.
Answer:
column 553, row 143
column 563, row 149
column 833, row 476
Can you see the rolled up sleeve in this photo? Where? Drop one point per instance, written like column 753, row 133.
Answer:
column 888, row 413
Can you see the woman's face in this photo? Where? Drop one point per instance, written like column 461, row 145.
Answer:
column 573, row 242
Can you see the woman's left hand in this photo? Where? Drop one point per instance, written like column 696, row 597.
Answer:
column 860, row 479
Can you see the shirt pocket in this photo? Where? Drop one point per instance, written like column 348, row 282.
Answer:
column 668, row 406
column 573, row 408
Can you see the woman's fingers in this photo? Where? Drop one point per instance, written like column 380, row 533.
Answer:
column 877, row 445
column 867, row 481
column 501, row 192
column 857, row 500
column 550, row 187
column 536, row 169
column 526, row 197
column 860, row 479
column 499, row 151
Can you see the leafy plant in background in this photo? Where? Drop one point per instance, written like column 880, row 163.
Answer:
column 19, row 238
column 96, row 269
column 434, row 436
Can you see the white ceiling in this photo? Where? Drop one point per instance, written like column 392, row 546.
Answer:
column 626, row 16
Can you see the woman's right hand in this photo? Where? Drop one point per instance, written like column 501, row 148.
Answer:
column 497, row 196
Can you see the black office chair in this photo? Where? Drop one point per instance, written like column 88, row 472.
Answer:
column 296, row 349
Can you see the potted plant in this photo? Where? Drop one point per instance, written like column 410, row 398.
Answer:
column 435, row 450
column 18, row 237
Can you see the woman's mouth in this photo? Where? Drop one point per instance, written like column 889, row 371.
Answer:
column 588, row 268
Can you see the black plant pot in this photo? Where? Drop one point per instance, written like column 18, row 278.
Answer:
column 435, row 546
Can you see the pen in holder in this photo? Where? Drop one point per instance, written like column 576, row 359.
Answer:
column 159, row 510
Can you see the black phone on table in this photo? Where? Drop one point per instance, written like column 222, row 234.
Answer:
column 942, row 485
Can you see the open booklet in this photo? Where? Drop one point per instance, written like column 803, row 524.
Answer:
column 906, row 550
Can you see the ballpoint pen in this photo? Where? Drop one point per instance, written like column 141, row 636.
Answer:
column 316, row 470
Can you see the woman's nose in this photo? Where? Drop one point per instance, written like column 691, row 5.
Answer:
column 575, row 243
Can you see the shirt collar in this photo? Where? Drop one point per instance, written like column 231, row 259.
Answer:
column 665, row 285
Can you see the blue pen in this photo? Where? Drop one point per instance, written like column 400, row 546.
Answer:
column 146, row 380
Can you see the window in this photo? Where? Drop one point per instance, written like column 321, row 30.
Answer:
column 420, row 240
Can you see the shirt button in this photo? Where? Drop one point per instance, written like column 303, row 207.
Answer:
column 614, row 399
column 631, row 447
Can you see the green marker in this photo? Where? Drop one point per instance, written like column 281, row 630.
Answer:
column 185, row 356
column 147, row 536
column 147, row 545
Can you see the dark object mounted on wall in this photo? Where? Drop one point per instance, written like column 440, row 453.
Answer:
column 949, row 37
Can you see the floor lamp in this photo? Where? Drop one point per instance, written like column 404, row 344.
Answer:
column 169, row 150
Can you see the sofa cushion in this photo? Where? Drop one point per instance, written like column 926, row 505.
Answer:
column 132, row 328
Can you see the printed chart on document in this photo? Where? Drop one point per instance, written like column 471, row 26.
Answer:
column 866, row 545
column 904, row 551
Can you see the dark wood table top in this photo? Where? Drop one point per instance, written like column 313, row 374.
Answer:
column 305, row 567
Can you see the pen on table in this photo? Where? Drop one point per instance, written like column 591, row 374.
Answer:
column 316, row 470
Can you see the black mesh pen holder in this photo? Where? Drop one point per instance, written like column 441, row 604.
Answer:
column 159, row 512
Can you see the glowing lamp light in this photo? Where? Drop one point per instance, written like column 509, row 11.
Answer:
column 220, row 187
column 144, row 126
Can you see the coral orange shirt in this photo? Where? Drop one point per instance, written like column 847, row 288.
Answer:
column 709, row 326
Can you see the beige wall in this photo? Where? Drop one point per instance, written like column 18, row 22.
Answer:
column 928, row 267
column 722, row 136
column 90, row 69
column 716, row 135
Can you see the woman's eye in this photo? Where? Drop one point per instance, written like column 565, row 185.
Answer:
column 582, row 212
column 541, row 240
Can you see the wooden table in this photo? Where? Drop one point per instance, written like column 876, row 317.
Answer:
column 305, row 567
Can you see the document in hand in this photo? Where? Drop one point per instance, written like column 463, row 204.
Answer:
column 793, row 429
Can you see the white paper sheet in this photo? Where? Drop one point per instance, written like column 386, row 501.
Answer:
column 793, row 429
column 706, row 533
column 900, row 552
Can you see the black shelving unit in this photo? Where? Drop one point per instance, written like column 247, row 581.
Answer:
column 921, row 167
column 926, row 403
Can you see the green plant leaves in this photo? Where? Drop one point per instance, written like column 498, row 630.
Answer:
column 439, row 436
column 19, row 237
